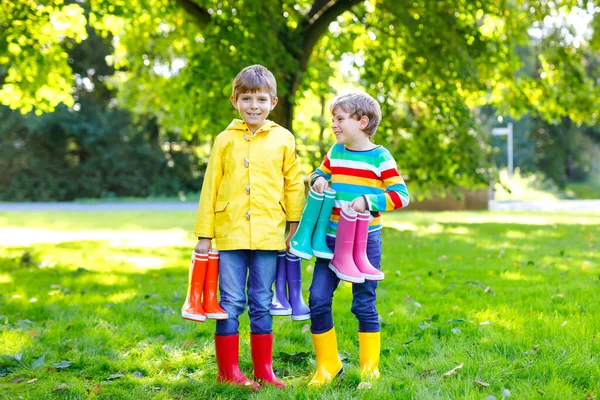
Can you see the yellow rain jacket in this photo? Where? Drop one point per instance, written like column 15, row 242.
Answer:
column 252, row 185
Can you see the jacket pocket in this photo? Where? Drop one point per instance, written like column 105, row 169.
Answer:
column 221, row 206
column 222, row 219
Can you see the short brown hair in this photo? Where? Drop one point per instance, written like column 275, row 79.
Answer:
column 359, row 104
column 253, row 79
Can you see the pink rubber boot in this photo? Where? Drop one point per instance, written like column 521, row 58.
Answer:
column 360, row 249
column 343, row 262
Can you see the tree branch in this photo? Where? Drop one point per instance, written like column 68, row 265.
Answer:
column 318, row 7
column 321, row 14
column 199, row 14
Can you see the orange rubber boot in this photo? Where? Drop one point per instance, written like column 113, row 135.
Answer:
column 192, row 308
column 211, row 304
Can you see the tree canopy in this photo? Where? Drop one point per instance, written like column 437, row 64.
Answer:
column 430, row 64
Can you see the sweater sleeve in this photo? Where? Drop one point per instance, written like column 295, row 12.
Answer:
column 324, row 169
column 205, row 218
column 396, row 193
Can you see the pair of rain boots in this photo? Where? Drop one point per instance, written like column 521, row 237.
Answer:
column 201, row 301
column 349, row 261
column 287, row 299
column 328, row 361
column 261, row 349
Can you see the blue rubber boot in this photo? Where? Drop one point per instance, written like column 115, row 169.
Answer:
column 300, row 310
column 319, row 246
column 300, row 244
column 280, row 304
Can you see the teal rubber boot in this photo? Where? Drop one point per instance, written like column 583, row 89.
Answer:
column 300, row 244
column 319, row 246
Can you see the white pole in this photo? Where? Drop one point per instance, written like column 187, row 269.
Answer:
column 508, row 131
column 510, row 148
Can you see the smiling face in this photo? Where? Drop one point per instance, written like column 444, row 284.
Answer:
column 254, row 108
column 349, row 130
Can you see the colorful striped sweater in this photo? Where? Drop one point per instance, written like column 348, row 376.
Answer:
column 369, row 173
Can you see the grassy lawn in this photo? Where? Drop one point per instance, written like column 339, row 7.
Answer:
column 89, row 308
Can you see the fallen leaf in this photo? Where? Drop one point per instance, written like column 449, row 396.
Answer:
column 453, row 370
column 114, row 376
column 39, row 362
column 17, row 380
column 364, row 386
column 33, row 380
column 62, row 364
column 427, row 373
column 96, row 389
column 60, row 387
column 482, row 383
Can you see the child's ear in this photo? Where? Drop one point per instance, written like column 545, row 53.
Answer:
column 233, row 102
column 274, row 102
column 363, row 122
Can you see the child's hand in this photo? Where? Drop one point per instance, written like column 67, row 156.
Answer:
column 203, row 246
column 320, row 185
column 358, row 204
column 293, row 229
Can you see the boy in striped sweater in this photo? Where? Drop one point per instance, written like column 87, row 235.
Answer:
column 365, row 178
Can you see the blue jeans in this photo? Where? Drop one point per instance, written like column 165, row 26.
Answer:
column 325, row 282
column 233, row 271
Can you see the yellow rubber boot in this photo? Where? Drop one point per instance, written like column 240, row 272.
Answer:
column 370, row 347
column 329, row 364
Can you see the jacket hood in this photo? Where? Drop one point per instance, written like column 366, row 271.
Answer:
column 240, row 125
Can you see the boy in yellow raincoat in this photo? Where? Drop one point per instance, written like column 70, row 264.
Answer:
column 252, row 187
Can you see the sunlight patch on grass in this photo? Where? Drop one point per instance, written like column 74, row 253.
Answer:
column 13, row 342
column 6, row 278
column 517, row 276
column 28, row 237
column 122, row 297
column 502, row 317
column 400, row 226
column 141, row 262
column 435, row 228
column 515, row 235
column 459, row 230
column 104, row 279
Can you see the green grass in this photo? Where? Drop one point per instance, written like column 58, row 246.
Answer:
column 513, row 297
column 585, row 190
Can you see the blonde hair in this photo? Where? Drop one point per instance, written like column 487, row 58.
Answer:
column 253, row 79
column 359, row 104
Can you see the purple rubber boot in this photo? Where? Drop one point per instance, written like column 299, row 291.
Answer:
column 280, row 304
column 300, row 310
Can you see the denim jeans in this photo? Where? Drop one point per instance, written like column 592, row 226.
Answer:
column 233, row 271
column 325, row 282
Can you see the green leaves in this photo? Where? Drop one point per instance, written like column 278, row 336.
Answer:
column 37, row 72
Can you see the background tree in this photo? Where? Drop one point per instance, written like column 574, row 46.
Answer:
column 429, row 63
